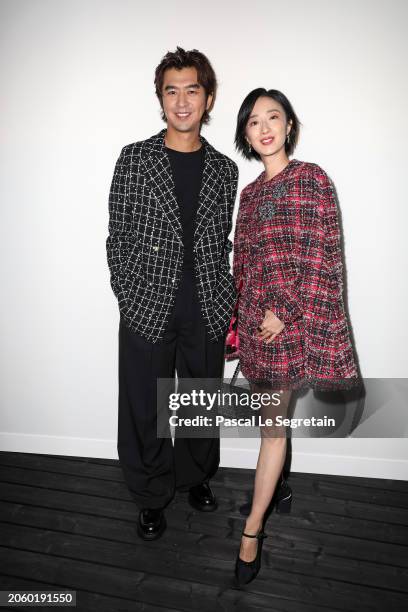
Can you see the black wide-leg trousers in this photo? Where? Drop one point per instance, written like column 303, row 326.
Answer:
column 153, row 468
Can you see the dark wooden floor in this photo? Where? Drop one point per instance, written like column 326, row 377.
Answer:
column 69, row 523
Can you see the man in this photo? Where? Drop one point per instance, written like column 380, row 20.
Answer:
column 170, row 207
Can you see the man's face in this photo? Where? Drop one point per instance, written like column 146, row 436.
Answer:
column 184, row 99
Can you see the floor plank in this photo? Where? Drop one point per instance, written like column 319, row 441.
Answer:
column 69, row 522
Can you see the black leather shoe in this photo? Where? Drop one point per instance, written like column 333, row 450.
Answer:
column 151, row 523
column 202, row 498
column 246, row 571
column 281, row 500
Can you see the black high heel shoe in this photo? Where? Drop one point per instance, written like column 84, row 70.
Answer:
column 281, row 500
column 246, row 571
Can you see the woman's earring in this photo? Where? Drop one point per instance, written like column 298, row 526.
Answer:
column 287, row 137
column 249, row 147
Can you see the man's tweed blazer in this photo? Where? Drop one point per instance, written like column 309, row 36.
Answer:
column 145, row 242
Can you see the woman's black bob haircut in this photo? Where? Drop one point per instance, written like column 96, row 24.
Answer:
column 244, row 112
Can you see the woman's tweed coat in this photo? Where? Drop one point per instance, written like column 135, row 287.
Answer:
column 287, row 254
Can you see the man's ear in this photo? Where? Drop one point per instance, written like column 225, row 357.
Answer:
column 210, row 102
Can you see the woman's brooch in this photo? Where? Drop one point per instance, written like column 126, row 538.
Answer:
column 268, row 208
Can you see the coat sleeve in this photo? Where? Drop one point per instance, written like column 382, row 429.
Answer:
column 329, row 349
column 118, row 241
column 332, row 237
column 240, row 242
column 231, row 196
column 318, row 282
column 320, row 251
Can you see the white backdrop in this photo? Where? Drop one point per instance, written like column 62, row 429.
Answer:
column 77, row 81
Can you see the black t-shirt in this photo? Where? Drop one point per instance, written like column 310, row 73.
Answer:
column 187, row 170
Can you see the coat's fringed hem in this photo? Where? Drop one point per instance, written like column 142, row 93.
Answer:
column 319, row 384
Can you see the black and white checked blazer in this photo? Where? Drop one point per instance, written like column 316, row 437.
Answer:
column 145, row 247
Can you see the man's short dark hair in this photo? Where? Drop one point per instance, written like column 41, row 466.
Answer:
column 241, row 143
column 187, row 59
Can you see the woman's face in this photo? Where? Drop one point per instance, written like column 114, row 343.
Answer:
column 267, row 128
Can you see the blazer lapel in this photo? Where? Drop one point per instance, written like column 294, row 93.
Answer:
column 160, row 178
column 210, row 187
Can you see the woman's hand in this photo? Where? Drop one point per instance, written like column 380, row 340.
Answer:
column 270, row 327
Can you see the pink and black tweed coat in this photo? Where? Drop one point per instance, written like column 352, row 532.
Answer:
column 287, row 254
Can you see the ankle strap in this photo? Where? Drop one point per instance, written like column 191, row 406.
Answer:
column 259, row 535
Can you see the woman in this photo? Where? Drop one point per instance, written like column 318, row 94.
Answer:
column 292, row 326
